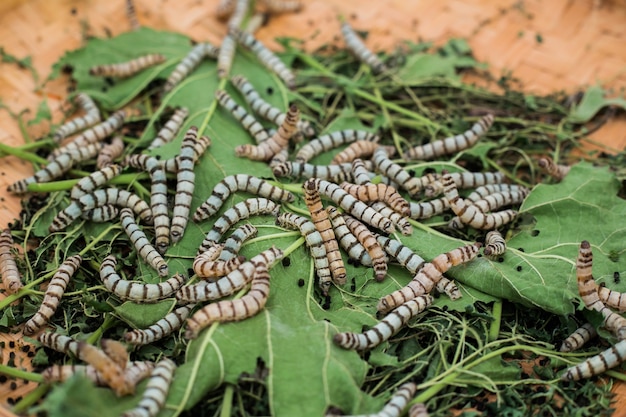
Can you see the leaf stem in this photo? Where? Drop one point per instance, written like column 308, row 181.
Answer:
column 227, row 401
column 18, row 373
column 494, row 328
column 26, row 156
column 31, row 398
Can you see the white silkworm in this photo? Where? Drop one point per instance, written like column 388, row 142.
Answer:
column 155, row 394
column 358, row 48
column 405, row 256
column 235, row 240
column 598, row 364
column 556, row 171
column 60, row 343
column 170, row 129
column 449, row 288
column 577, row 339
column 135, row 291
column 206, row 265
column 256, row 129
column 94, row 180
column 331, row 141
column 102, row 214
column 612, row 298
column 91, row 117
column 131, row 13
column 141, row 243
column 395, row 172
column 189, row 63
column 399, row 221
column 347, row 240
column 418, row 410
column 52, row 297
column 109, row 152
column 128, row 68
column 494, row 244
column 488, row 189
column 198, row 147
column 93, row 135
column 337, row 173
column 428, row 209
column 226, row 55
column 164, row 327
column 8, row 268
column 464, row 180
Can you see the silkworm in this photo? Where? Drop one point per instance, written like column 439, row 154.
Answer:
column 155, row 394
column 235, row 240
column 320, row 219
column 131, row 13
column 395, row 172
column 577, row 339
column 185, row 184
column 428, row 209
column 55, row 168
column 112, row 374
column 315, row 244
column 359, row 149
column 109, row 152
column 240, row 211
column 331, row 141
column 418, row 410
column 265, row 109
column 226, row 55
column 158, row 196
column 556, row 171
column 170, row 129
column 397, row 219
column 232, row 310
column 471, row 215
column 134, row 372
column 353, row 206
column 141, row 243
column 278, row 141
column 386, row 328
column 53, row 295
column 428, row 276
column 239, row 182
column 236, row 280
column 164, row 327
column 494, row 244
column 588, row 293
column 404, row 255
column 256, row 129
column 359, row 173
column 189, row 63
column 358, row 48
column 337, row 173
column 91, row 117
column 206, row 265
column 484, row 190
column 464, row 180
column 499, row 199
column 94, row 180
column 198, row 147
column 135, row 291
column 60, row 343
column 371, row 245
column 596, row 365
column 347, row 240
column 128, row 68
column 282, row 6
column 265, row 55
column 225, row 8
column 378, row 192
column 116, row 351
column 612, row 298
column 449, row 288
column 8, row 268
column 102, row 214
column 451, row 144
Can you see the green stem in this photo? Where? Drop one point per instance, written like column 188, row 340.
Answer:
column 227, row 402
column 109, row 320
column 26, row 156
column 18, row 373
column 295, row 245
column 48, row 187
column 97, row 239
column 30, row 399
column 494, row 328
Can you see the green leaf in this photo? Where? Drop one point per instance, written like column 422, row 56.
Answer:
column 141, row 316
column 592, row 102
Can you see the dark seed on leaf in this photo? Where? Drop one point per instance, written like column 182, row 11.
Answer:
column 13, row 386
column 3, row 379
column 616, row 277
column 518, row 268
column 534, row 233
column 300, row 282
column 286, row 261
column 501, row 259
column 521, row 249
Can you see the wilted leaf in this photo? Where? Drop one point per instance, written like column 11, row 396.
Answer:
column 593, row 101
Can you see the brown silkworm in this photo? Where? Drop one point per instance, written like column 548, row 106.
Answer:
column 128, row 68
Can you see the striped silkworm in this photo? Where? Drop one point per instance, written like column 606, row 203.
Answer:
column 206, row 265
column 589, row 294
column 236, row 240
column 53, row 294
column 371, row 245
column 404, row 255
column 277, row 142
column 136, row 291
column 155, row 394
column 225, row 9
column 358, row 48
column 265, row 55
column 93, row 135
column 347, row 240
column 499, row 199
column 265, row 109
column 320, row 219
column 395, row 172
column 131, row 14
column 141, row 243
column 189, row 63
column 494, row 244
column 336, row 173
column 353, row 206
column 399, row 221
column 112, row 374
column 612, row 298
column 232, row 310
column 128, row 68
column 170, row 129
column 428, row 276
column 451, row 144
column 91, row 117
column 100, row 198
column 360, row 175
column 239, row 182
column 577, row 339
column 134, row 372
column 315, row 244
column 106, row 213
column 199, row 146
column 556, row 171
column 164, row 327
column 428, row 209
column 226, row 55
column 359, row 149
column 282, row 6
column 60, row 343
column 331, row 141
column 116, row 351
column 418, row 410
column 396, row 404
column 598, row 364
column 279, row 158
column 8, row 268
column 185, row 185
column 240, row 211
column 471, row 215
column 109, row 152
column 158, row 197
column 485, row 190
column 57, row 167
column 236, row 280
column 449, row 288
column 94, row 180
column 386, row 328
column 378, row 192
column 256, row 129
column 464, row 180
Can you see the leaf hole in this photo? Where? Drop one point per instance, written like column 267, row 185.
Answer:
column 534, row 233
